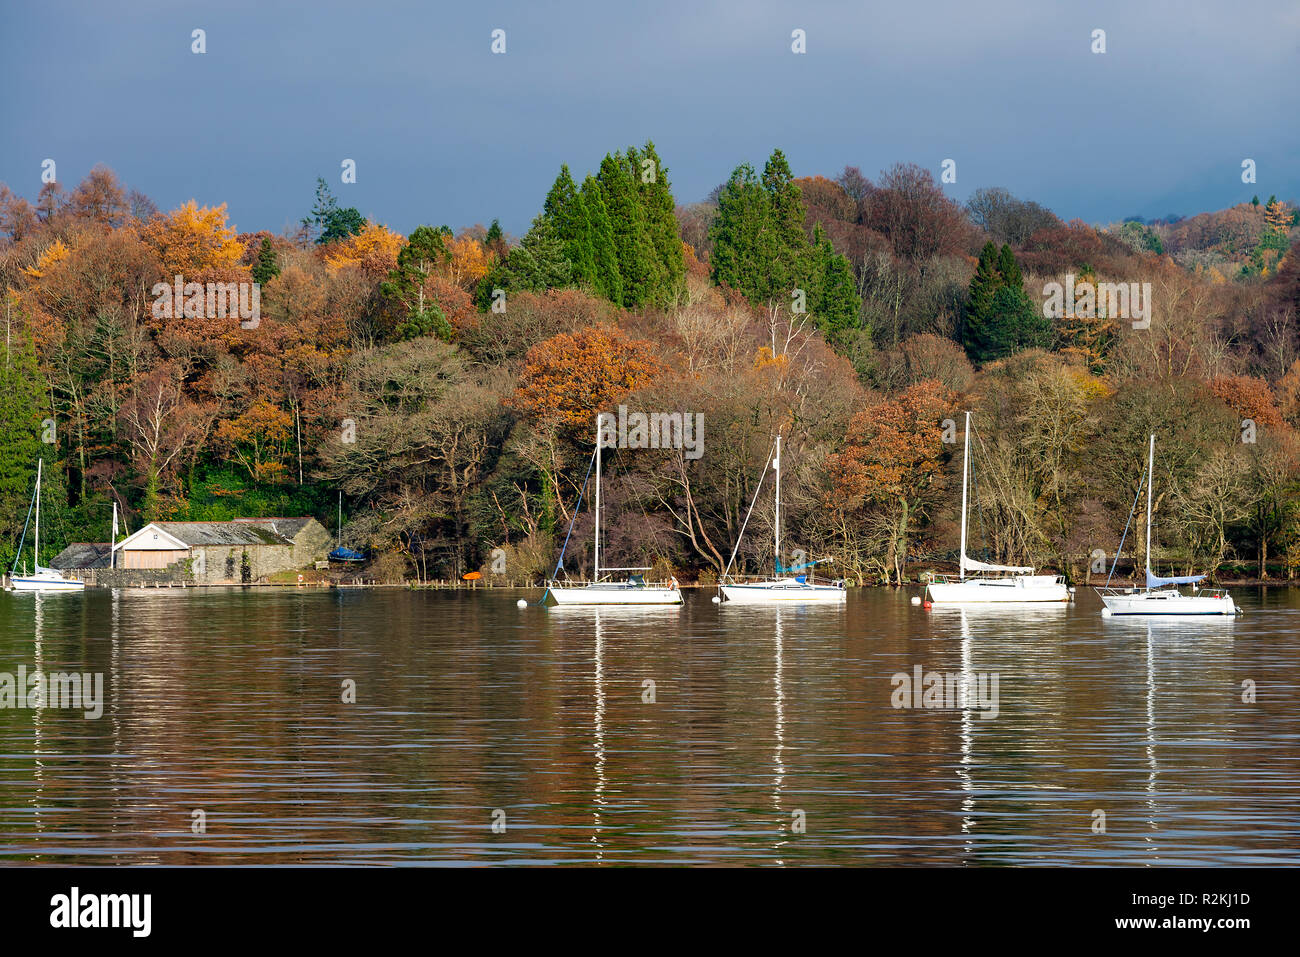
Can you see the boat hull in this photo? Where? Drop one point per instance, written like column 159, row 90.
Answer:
column 615, row 594
column 782, row 593
column 46, row 584
column 1018, row 589
column 1168, row 603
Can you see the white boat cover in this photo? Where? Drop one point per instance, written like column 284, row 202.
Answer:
column 1155, row 581
column 970, row 564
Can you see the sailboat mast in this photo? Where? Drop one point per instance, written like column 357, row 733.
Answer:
column 1151, row 465
column 965, row 458
column 776, row 464
column 596, row 574
column 36, row 550
column 112, row 536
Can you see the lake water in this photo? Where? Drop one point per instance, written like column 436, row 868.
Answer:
column 766, row 736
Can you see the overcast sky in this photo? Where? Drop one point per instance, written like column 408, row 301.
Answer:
column 444, row 131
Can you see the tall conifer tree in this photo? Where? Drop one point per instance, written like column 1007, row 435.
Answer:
column 784, row 240
column 736, row 234
column 267, row 266
column 760, row 248
column 608, row 282
column 637, row 264
column 1000, row 318
column 567, row 211
column 661, row 221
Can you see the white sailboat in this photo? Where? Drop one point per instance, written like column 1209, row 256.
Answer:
column 43, row 579
column 1162, row 596
column 777, row 590
column 633, row 590
column 991, row 583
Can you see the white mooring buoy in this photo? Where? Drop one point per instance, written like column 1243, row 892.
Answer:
column 522, row 603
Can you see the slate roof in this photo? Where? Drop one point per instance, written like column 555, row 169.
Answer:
column 82, row 555
column 242, row 531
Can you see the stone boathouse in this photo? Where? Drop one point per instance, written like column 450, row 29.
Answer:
column 204, row 553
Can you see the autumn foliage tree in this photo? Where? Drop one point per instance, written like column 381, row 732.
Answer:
column 1250, row 398
column 374, row 250
column 570, row 377
column 886, row 475
column 193, row 240
column 258, row 438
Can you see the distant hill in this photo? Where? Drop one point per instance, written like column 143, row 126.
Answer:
column 1242, row 240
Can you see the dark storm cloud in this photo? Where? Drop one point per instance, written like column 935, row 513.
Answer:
column 444, row 131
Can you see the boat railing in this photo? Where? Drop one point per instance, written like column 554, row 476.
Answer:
column 1112, row 591
column 954, row 579
column 630, row 580
column 756, row 579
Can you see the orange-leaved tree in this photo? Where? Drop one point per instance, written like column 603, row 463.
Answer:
column 569, row 377
column 192, row 240
column 1250, row 398
column 374, row 249
column 470, row 261
column 884, row 479
column 565, row 381
column 259, row 440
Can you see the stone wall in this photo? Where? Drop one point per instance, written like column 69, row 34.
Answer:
column 224, row 564
column 177, row 574
column 312, row 544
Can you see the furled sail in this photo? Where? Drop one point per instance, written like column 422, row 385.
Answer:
column 785, row 569
column 1155, row 581
column 970, row 564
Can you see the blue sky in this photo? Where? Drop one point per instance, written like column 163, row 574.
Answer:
column 443, row 131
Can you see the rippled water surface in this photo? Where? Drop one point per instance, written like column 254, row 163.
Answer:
column 692, row 735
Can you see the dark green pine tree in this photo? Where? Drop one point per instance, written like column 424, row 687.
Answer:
column 736, row 234
column 608, row 282
column 425, row 250
column 1021, row 325
column 635, row 172
column 495, row 239
column 661, row 221
column 267, row 266
column 321, row 210
column 637, row 265
column 22, row 408
column 537, row 263
column 979, row 307
column 832, row 292
column 567, row 211
column 1009, row 268
column 1001, row 319
column 784, row 241
column 340, row 224
column 759, row 244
